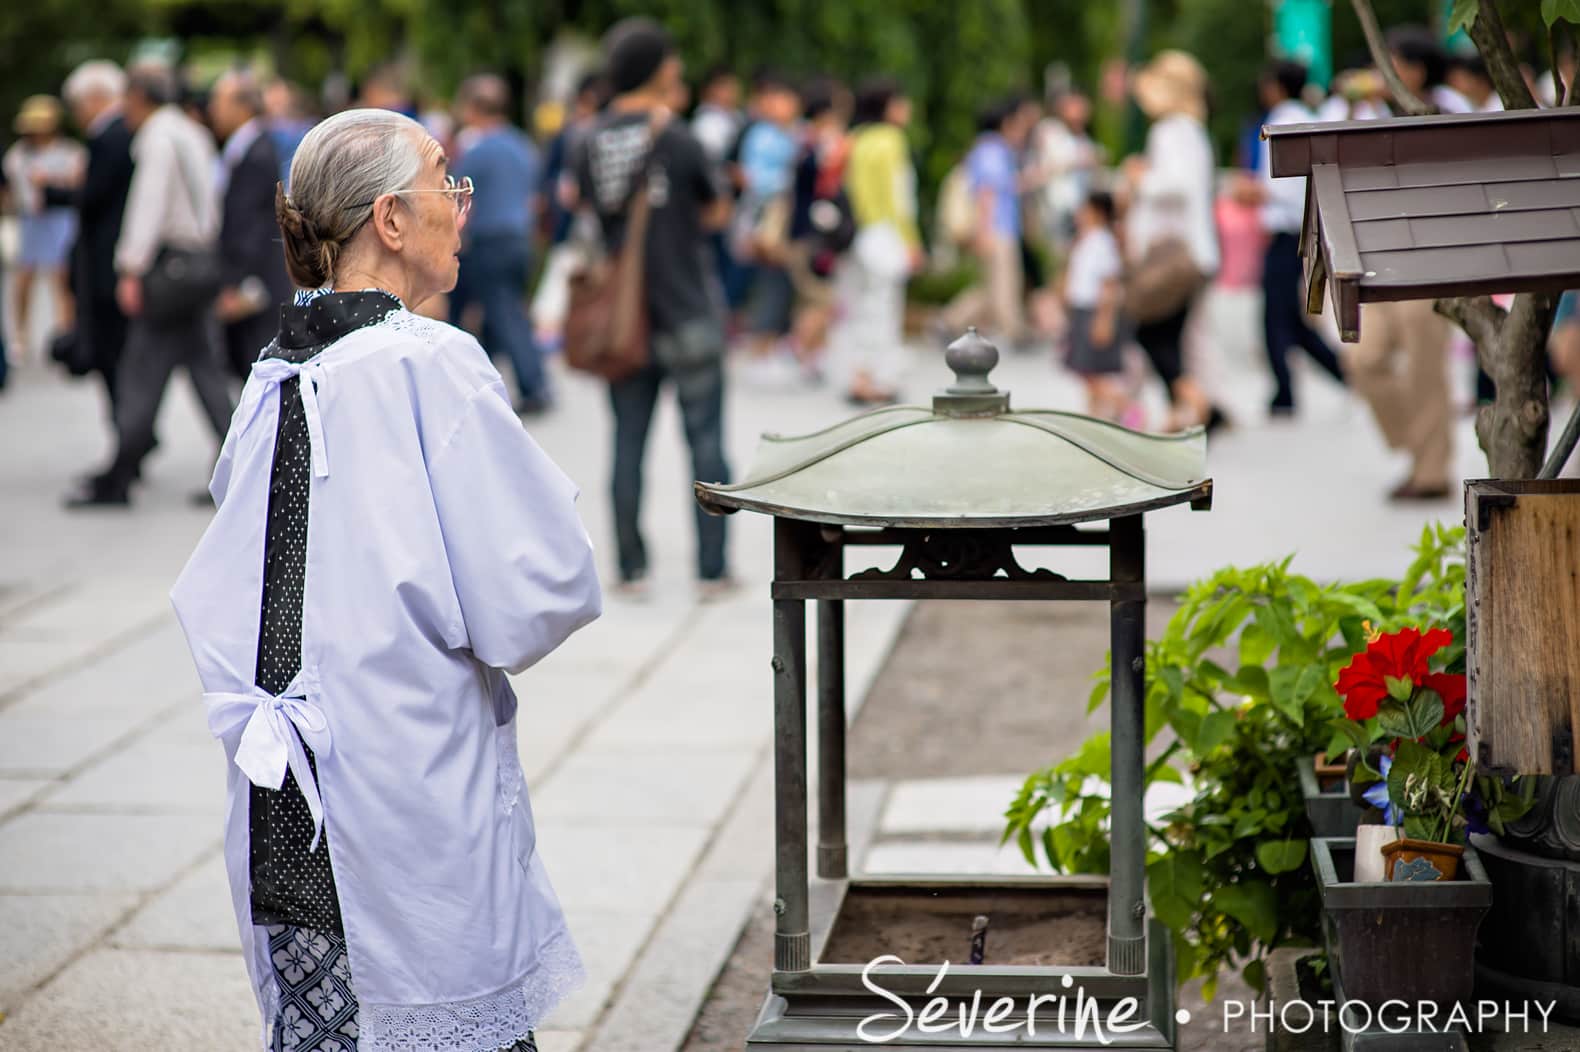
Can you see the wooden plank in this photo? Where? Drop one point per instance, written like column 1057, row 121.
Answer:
column 1383, row 177
column 1403, row 204
column 1493, row 228
column 1383, row 235
column 1472, row 269
column 1344, row 259
column 1424, row 174
column 1513, row 197
column 1523, row 632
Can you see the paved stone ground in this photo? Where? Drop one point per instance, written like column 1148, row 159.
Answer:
column 644, row 738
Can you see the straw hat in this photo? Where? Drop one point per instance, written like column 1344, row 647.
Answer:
column 1173, row 82
column 39, row 115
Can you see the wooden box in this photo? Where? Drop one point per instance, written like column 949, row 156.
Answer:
column 1522, row 611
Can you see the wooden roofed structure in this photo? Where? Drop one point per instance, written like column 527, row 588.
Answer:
column 1422, row 207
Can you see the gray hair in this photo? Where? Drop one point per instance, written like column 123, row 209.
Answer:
column 95, row 79
column 342, row 166
column 246, row 88
column 155, row 81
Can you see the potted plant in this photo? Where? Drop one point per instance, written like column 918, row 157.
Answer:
column 1406, row 722
column 1239, row 699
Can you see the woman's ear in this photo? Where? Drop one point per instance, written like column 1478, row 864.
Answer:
column 389, row 222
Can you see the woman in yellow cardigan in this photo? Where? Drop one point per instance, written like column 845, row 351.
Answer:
column 869, row 285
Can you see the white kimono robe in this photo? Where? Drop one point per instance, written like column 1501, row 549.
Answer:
column 443, row 547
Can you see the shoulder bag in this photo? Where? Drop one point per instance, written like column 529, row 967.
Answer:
column 606, row 324
column 183, row 281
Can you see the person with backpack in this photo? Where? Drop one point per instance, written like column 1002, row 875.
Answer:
column 993, row 167
column 642, row 172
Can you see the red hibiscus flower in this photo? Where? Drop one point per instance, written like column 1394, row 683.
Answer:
column 1363, row 683
column 1450, row 686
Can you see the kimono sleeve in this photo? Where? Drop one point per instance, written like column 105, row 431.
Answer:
column 520, row 559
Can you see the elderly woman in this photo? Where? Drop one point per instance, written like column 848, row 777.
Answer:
column 411, row 546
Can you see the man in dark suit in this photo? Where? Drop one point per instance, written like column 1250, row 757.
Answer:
column 249, row 239
column 94, row 92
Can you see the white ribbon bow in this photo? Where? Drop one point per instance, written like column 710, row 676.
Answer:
column 269, row 745
column 275, row 371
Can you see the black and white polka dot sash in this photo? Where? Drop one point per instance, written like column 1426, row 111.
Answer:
column 274, row 371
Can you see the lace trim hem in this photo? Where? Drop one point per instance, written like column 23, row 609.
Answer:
column 483, row 1024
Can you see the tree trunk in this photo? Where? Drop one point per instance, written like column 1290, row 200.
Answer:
column 1512, row 346
column 1513, row 429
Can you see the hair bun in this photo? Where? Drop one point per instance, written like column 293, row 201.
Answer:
column 308, row 258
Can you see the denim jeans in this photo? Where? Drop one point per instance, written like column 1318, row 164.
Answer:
column 494, row 271
column 700, row 391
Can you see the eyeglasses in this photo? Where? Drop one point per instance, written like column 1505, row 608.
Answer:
column 460, row 192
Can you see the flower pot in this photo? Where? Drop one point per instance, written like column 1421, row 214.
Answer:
column 1327, row 801
column 1324, row 768
column 1370, row 840
column 1412, row 861
column 1402, row 941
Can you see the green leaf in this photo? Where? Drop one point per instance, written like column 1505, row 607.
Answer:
column 1290, row 686
column 1255, row 975
column 1252, row 903
column 1281, row 856
column 1255, row 645
column 1420, row 827
column 1415, row 719
column 1461, row 16
column 1250, row 680
column 1099, row 693
column 1553, row 10
column 1025, row 842
column 1357, row 734
column 1175, row 882
column 1279, row 624
column 1093, row 758
column 1216, row 729
column 1399, row 687
column 1166, row 773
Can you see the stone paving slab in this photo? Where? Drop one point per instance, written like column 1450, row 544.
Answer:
column 44, row 746
column 143, row 674
column 150, row 775
column 630, row 868
column 14, row 792
column 139, row 1001
column 44, row 932
column 58, row 851
column 683, row 785
column 609, row 942
column 194, row 913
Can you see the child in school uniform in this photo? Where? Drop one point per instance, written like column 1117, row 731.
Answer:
column 1092, row 295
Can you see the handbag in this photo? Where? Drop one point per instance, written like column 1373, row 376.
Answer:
column 1163, row 282
column 183, row 281
column 606, row 324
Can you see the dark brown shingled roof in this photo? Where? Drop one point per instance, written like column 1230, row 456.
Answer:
column 1421, row 207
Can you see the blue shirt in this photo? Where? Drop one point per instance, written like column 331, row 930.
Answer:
column 503, row 164
column 767, row 159
column 991, row 166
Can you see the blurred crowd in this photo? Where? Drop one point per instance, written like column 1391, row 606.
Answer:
column 785, row 228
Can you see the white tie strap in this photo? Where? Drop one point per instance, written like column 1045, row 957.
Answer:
column 275, row 371
column 269, row 745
